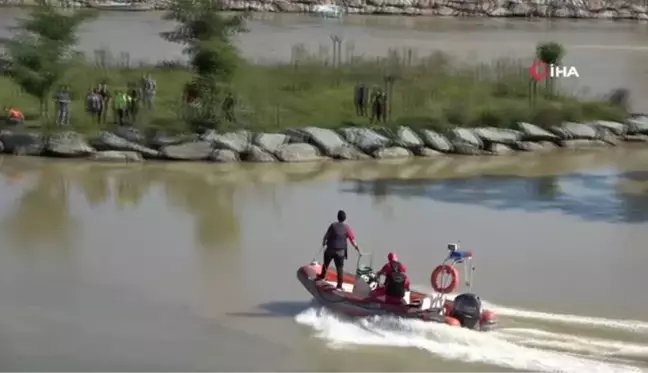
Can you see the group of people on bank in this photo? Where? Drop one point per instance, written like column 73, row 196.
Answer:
column 124, row 104
column 376, row 101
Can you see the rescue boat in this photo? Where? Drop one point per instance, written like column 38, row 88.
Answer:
column 357, row 299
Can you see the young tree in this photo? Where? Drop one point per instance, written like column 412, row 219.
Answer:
column 550, row 53
column 208, row 39
column 41, row 50
column 207, row 35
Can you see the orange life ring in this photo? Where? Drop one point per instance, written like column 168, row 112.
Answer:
column 441, row 273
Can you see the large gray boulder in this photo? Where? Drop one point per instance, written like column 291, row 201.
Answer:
column 131, row 134
column 270, row 142
column 326, row 140
column 298, row 152
column 436, row 141
column 464, row 148
column 499, row 149
column 349, row 152
column 427, row 152
column 531, row 132
column 116, row 156
column 404, row 137
column 392, row 152
column 237, row 141
column 189, row 151
column 618, row 129
column 493, row 135
column 223, row 156
column 110, row 141
column 22, row 143
column 578, row 144
column 638, row 125
column 160, row 139
column 67, row 144
column 365, row 139
column 256, row 154
column 572, row 131
column 467, row 136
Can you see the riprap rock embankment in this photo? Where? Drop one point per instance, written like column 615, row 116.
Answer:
column 316, row 144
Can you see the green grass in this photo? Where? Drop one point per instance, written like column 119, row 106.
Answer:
column 432, row 92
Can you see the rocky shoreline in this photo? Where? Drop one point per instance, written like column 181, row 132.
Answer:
column 312, row 144
column 575, row 9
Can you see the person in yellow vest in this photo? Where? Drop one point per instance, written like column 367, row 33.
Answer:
column 14, row 116
column 121, row 103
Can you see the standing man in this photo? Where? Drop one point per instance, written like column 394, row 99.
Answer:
column 148, row 91
column 106, row 97
column 63, row 106
column 360, row 99
column 228, row 107
column 121, row 103
column 335, row 241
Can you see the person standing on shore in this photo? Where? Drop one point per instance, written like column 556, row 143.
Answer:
column 105, row 96
column 228, row 107
column 63, row 106
column 121, row 103
column 360, row 99
column 377, row 105
column 133, row 103
column 148, row 91
column 95, row 105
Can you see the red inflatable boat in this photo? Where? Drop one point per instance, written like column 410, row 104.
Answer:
column 357, row 297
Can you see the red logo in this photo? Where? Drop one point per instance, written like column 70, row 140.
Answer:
column 538, row 70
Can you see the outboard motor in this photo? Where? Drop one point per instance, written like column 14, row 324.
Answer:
column 467, row 309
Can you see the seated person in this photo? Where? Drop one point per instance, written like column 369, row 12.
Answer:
column 14, row 116
column 396, row 283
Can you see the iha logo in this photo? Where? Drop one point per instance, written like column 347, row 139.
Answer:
column 540, row 71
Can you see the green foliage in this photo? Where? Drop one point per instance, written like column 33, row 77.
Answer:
column 207, row 35
column 216, row 59
column 550, row 53
column 201, row 20
column 42, row 49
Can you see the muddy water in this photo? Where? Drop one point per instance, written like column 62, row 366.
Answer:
column 191, row 267
column 607, row 54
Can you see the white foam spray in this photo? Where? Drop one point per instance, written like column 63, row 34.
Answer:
column 572, row 343
column 634, row 326
column 523, row 349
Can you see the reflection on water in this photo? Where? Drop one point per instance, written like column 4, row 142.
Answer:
column 42, row 212
column 209, row 193
column 586, row 195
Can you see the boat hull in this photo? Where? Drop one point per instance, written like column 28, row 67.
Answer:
column 354, row 305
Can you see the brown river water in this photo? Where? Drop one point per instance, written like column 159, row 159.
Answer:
column 189, row 267
column 192, row 266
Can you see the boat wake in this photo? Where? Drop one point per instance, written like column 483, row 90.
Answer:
column 527, row 347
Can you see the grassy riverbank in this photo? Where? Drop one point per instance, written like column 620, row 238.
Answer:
column 433, row 92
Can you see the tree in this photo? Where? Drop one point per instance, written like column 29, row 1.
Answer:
column 551, row 54
column 208, row 39
column 41, row 50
